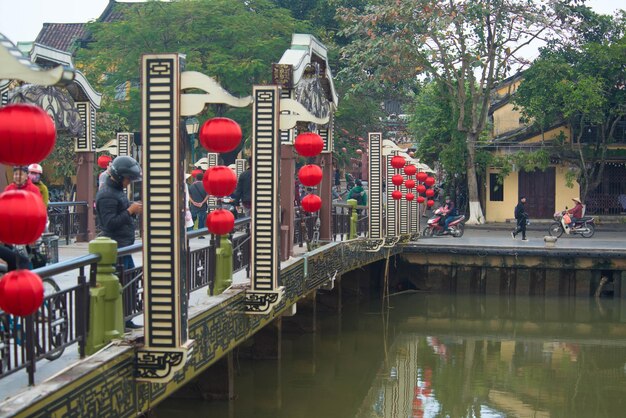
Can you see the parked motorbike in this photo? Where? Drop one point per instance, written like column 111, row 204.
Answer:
column 435, row 225
column 228, row 203
column 584, row 226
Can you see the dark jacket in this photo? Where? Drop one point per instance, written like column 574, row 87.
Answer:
column 520, row 211
column 243, row 192
column 197, row 193
column 113, row 218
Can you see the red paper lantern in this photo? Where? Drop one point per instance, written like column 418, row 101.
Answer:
column 430, row 193
column 311, row 203
column 23, row 217
column 344, row 149
column 421, row 176
column 310, row 175
column 409, row 184
column 410, row 170
column 398, row 162
column 430, row 203
column 420, row 199
column 220, row 221
column 21, row 292
column 27, row 134
column 220, row 135
column 103, row 161
column 397, row 179
column 429, row 181
column 410, row 197
column 308, row 144
column 195, row 172
column 420, row 188
column 359, row 151
column 396, row 195
column 219, row 181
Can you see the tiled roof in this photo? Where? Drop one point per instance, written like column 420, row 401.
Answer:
column 61, row 36
column 115, row 10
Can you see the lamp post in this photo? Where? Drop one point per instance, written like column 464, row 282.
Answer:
column 191, row 126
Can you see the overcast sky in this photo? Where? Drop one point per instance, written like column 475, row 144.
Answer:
column 21, row 20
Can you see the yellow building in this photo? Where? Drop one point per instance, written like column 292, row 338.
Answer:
column 546, row 191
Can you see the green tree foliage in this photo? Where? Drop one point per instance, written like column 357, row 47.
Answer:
column 233, row 41
column 355, row 117
column 580, row 83
column 434, row 129
column 466, row 45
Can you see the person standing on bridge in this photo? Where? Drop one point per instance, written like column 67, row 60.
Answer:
column 243, row 192
column 522, row 219
column 21, row 181
column 114, row 211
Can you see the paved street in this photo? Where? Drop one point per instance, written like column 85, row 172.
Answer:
column 608, row 236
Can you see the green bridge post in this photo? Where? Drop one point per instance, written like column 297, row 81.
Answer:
column 223, row 265
column 106, row 316
column 354, row 218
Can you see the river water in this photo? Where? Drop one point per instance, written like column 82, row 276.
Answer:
column 439, row 356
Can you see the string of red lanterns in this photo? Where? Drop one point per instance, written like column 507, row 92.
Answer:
column 219, row 181
column 220, row 135
column 397, row 162
column 27, row 135
column 310, row 144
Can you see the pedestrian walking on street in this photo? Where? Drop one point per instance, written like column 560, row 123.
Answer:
column 522, row 219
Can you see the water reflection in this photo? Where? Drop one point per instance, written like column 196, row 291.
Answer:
column 442, row 356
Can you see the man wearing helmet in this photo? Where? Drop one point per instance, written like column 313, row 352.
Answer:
column 34, row 174
column 115, row 213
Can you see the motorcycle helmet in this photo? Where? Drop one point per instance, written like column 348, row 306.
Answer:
column 35, row 168
column 125, row 167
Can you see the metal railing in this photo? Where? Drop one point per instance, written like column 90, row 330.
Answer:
column 68, row 219
column 61, row 321
column 341, row 214
column 306, row 228
column 64, row 316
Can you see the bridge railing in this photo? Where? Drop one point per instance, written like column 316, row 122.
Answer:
column 68, row 219
column 201, row 265
column 341, row 213
column 63, row 318
column 61, row 321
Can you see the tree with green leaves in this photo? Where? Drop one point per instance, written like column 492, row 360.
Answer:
column 580, row 84
column 466, row 45
column 234, row 42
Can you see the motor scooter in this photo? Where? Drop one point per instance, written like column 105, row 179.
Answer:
column 584, row 226
column 435, row 225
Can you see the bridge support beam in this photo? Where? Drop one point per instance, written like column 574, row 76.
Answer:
column 305, row 320
column 215, row 383
column 267, row 342
column 330, row 300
